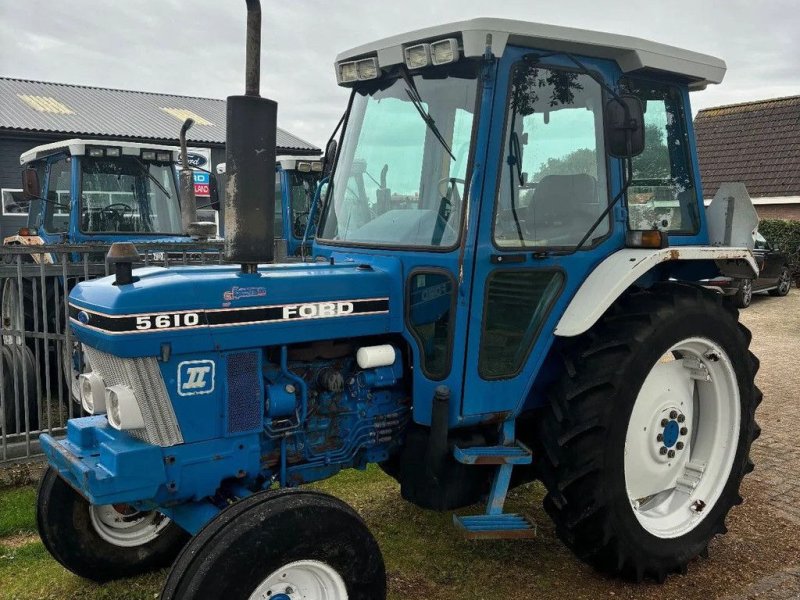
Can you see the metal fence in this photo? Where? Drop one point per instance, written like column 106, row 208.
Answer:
column 40, row 360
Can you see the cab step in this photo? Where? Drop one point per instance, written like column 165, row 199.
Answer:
column 513, row 454
column 495, row 527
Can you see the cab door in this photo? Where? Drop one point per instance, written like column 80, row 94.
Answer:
column 552, row 182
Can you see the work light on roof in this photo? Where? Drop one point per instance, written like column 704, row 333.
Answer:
column 358, row 70
column 418, row 56
column 164, row 156
column 148, row 154
column 114, row 152
column 444, row 51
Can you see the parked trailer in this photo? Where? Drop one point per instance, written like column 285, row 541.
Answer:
column 479, row 314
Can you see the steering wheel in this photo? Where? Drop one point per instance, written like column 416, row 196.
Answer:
column 117, row 209
column 449, row 193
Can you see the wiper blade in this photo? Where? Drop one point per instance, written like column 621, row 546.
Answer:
column 147, row 172
column 416, row 100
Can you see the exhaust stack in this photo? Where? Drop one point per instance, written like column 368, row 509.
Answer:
column 250, row 162
column 191, row 226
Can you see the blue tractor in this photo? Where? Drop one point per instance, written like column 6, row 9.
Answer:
column 296, row 182
column 493, row 298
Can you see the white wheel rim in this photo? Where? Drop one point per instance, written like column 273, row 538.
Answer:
column 12, row 318
column 302, row 580
column 693, row 386
column 123, row 526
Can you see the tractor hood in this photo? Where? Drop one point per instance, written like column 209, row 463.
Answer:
column 196, row 309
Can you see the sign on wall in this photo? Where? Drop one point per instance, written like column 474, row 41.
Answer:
column 200, row 158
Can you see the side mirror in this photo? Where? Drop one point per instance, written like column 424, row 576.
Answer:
column 622, row 121
column 30, row 184
column 330, row 157
column 213, row 191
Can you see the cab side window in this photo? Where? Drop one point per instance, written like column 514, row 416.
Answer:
column 662, row 194
column 57, row 209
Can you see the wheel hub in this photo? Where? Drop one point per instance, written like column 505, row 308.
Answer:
column 302, row 580
column 672, row 432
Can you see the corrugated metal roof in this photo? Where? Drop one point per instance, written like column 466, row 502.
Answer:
column 89, row 111
column 757, row 143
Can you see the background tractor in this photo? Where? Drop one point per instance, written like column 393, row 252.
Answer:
column 485, row 306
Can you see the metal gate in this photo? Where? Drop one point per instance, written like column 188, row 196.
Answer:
column 40, row 360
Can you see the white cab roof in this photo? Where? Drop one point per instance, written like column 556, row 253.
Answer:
column 77, row 147
column 287, row 163
column 630, row 53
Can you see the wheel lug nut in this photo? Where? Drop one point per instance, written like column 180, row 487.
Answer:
column 673, row 414
column 681, row 418
column 660, row 437
column 671, row 454
column 664, row 422
column 663, row 450
column 679, row 445
column 684, row 431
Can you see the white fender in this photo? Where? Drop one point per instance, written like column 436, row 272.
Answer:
column 620, row 270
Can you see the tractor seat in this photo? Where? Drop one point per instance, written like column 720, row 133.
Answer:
column 562, row 204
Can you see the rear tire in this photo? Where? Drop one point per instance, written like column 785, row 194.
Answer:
column 590, row 433
column 256, row 548
column 784, row 283
column 86, row 540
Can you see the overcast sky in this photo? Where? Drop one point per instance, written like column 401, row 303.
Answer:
column 197, row 48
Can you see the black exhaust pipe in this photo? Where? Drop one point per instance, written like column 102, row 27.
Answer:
column 252, row 123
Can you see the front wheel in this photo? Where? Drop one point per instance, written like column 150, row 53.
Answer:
column 647, row 435
column 287, row 545
column 744, row 295
column 106, row 542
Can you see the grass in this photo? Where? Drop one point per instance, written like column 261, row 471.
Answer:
column 423, row 552
column 425, row 556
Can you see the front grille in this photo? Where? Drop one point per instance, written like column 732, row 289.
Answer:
column 143, row 376
column 245, row 395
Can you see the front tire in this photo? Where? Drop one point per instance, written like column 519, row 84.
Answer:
column 102, row 543
column 744, row 295
column 293, row 544
column 639, row 478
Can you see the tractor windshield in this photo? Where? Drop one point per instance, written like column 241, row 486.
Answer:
column 396, row 182
column 128, row 195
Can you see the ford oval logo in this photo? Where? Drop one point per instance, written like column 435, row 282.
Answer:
column 83, row 317
column 196, row 160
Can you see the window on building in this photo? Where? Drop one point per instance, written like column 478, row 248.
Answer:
column 13, row 203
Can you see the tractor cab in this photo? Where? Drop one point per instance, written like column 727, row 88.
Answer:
column 501, row 162
column 101, row 191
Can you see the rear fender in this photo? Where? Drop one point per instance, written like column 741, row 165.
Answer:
column 622, row 269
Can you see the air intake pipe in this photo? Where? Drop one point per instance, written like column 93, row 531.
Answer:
column 252, row 123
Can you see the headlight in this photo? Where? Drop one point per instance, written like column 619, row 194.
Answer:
column 93, row 393
column 123, row 409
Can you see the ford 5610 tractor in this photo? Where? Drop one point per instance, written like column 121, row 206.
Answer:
column 501, row 299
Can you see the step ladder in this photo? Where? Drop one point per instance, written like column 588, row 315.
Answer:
column 495, row 524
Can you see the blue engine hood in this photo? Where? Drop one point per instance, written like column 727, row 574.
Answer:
column 207, row 308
